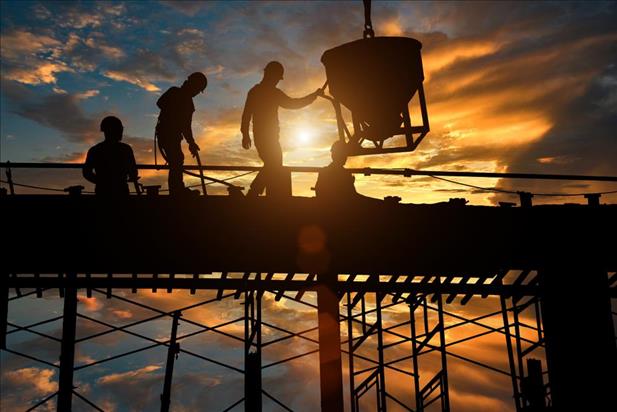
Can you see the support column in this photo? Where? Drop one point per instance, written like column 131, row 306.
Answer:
column 414, row 351
column 252, row 359
column 4, row 313
column 445, row 390
column 352, row 381
column 580, row 346
column 381, row 387
column 172, row 353
column 510, row 349
column 67, row 347
column 330, row 364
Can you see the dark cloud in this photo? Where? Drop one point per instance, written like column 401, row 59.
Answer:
column 182, row 52
column 63, row 112
column 581, row 142
column 57, row 111
column 187, row 7
column 78, row 16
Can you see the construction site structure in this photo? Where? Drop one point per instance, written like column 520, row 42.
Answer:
column 551, row 263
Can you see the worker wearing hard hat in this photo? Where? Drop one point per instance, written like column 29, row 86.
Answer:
column 262, row 103
column 174, row 123
column 334, row 181
column 111, row 163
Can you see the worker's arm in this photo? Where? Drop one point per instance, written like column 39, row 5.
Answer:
column 163, row 101
column 319, row 184
column 88, row 169
column 297, row 103
column 187, row 132
column 132, row 166
column 247, row 115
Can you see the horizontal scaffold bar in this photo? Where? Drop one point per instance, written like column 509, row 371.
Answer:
column 406, row 172
column 30, row 281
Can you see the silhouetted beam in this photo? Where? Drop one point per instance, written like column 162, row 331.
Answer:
column 4, row 311
column 311, row 169
column 219, row 294
column 280, row 293
column 221, row 234
column 311, row 277
column 172, row 352
column 237, row 293
column 252, row 359
column 580, row 380
column 330, row 362
column 268, row 285
column 67, row 349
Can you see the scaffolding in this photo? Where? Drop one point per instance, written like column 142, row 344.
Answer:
column 359, row 315
column 546, row 268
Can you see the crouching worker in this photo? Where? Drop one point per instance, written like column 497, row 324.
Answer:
column 335, row 183
column 110, row 165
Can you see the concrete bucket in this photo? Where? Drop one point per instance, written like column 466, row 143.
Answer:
column 376, row 78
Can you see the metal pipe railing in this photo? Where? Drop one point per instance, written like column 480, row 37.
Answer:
column 406, row 172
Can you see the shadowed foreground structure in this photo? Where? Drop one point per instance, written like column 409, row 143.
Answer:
column 416, row 255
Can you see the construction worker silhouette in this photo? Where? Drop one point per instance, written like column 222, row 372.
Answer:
column 334, row 181
column 262, row 103
column 111, row 163
column 174, row 123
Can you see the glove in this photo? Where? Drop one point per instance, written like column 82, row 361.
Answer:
column 246, row 141
column 193, row 148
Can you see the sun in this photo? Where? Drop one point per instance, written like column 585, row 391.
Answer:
column 304, row 135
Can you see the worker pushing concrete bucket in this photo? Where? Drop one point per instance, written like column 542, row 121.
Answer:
column 376, row 78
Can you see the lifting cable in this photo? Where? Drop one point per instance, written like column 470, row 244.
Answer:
column 51, row 189
column 496, row 190
column 368, row 25
column 200, row 176
column 222, row 180
column 55, row 189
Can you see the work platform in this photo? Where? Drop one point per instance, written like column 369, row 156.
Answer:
column 143, row 234
column 367, row 256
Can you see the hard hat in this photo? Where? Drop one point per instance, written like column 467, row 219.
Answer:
column 339, row 147
column 111, row 124
column 198, row 80
column 274, row 69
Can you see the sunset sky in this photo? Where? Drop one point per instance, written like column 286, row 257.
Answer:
column 510, row 87
column 524, row 87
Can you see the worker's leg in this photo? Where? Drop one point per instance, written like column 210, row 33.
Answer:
column 278, row 180
column 269, row 151
column 272, row 156
column 257, row 185
column 175, row 158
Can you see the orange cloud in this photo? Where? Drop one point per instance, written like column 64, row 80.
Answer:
column 45, row 72
column 91, row 304
column 122, row 77
column 38, row 380
column 21, row 42
column 119, row 377
column 455, row 51
column 122, row 314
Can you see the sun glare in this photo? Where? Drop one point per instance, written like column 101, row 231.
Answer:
column 304, row 135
